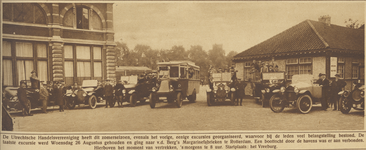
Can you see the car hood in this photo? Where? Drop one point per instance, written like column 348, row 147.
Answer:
column 301, row 85
column 129, row 86
column 12, row 90
column 88, row 89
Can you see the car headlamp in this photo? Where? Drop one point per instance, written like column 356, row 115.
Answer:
column 73, row 95
column 154, row 89
column 346, row 94
column 84, row 94
column 362, row 94
column 123, row 91
column 296, row 90
column 37, row 90
column 263, row 91
column 268, row 90
column 171, row 88
column 282, row 89
column 232, row 89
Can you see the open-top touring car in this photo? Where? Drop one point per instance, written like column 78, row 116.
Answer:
column 178, row 80
column 302, row 93
column 352, row 99
column 90, row 94
column 223, row 88
column 270, row 81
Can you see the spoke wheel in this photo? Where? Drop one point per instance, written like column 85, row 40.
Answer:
column 179, row 100
column 345, row 105
column 152, row 100
column 276, row 103
column 304, row 104
column 133, row 100
column 92, row 101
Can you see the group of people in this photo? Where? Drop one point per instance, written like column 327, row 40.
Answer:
column 330, row 90
column 259, row 66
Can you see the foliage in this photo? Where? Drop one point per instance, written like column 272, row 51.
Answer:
column 353, row 24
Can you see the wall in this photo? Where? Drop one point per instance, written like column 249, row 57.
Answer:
column 318, row 66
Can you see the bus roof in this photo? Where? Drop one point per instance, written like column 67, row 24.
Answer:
column 189, row 63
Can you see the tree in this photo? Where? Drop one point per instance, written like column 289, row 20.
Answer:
column 200, row 57
column 217, row 56
column 229, row 56
column 353, row 24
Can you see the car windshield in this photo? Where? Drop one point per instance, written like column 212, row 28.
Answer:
column 90, row 83
column 302, row 78
column 226, row 76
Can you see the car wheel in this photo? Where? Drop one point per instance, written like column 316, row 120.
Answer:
column 192, row 98
column 152, row 100
column 345, row 105
column 70, row 102
column 92, row 101
column 133, row 100
column 304, row 104
column 276, row 103
column 263, row 100
column 209, row 99
column 179, row 100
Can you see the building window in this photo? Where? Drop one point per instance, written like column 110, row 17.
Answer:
column 298, row 66
column 23, row 12
column 82, row 63
column 19, row 64
column 82, row 17
column 340, row 66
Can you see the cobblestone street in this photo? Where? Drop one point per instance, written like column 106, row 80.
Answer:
column 191, row 117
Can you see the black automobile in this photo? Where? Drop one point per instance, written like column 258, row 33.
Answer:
column 270, row 81
column 352, row 99
column 141, row 91
column 90, row 93
column 223, row 89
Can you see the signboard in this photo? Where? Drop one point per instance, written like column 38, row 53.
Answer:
column 333, row 66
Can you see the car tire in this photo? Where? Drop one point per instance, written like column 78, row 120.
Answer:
column 304, row 103
column 92, row 101
column 152, row 100
column 276, row 104
column 192, row 98
column 345, row 106
column 133, row 100
column 179, row 100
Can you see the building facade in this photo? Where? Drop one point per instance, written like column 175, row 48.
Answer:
column 60, row 41
column 310, row 47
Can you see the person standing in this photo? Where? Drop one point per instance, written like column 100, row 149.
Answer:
column 59, row 95
column 24, row 101
column 335, row 87
column 108, row 93
column 34, row 80
column 119, row 88
column 43, row 96
column 324, row 83
column 240, row 93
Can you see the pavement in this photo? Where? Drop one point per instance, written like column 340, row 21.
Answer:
column 191, row 117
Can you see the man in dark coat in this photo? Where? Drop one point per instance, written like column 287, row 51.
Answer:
column 335, row 87
column 118, row 88
column 34, row 80
column 324, row 83
column 22, row 96
column 108, row 93
column 240, row 93
column 59, row 95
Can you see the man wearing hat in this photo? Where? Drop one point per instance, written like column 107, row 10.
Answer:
column 59, row 93
column 324, row 83
column 22, row 96
column 335, row 87
column 108, row 93
column 34, row 80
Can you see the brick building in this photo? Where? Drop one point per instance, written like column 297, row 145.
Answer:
column 310, row 47
column 61, row 41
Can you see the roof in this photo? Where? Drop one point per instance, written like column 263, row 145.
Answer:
column 179, row 62
column 309, row 36
column 136, row 68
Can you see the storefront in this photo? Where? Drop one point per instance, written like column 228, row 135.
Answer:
column 310, row 47
column 60, row 41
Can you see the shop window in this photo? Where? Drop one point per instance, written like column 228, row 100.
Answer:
column 24, row 12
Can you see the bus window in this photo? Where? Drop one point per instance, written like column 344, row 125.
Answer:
column 163, row 72
column 174, row 72
column 183, row 73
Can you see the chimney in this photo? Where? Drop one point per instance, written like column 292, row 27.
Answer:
column 325, row 19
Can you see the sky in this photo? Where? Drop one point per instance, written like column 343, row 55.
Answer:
column 236, row 25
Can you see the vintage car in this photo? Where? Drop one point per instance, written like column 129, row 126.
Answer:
column 11, row 101
column 270, row 81
column 129, row 93
column 177, row 80
column 141, row 91
column 354, row 99
column 90, row 94
column 302, row 93
column 223, row 88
